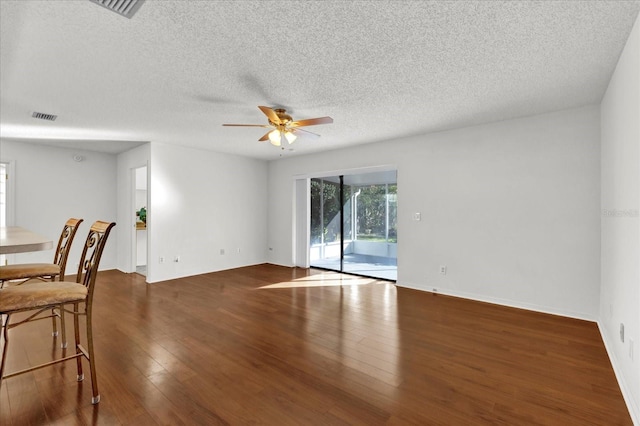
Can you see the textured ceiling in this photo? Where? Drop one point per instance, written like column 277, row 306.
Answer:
column 382, row 69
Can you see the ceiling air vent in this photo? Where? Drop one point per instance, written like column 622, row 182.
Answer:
column 43, row 116
column 126, row 8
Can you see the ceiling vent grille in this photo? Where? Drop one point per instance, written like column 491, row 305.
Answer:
column 43, row 116
column 126, row 8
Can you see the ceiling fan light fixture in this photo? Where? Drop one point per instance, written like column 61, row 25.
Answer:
column 291, row 138
column 275, row 138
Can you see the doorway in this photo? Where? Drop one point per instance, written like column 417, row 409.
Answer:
column 3, row 202
column 353, row 224
column 140, row 206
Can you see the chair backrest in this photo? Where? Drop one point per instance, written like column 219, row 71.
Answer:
column 91, row 254
column 64, row 245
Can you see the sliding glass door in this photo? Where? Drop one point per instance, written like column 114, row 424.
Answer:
column 354, row 224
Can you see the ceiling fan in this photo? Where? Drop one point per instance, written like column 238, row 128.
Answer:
column 282, row 125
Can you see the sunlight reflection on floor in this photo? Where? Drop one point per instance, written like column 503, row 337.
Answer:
column 329, row 279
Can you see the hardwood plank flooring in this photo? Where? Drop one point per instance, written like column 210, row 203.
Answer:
column 281, row 346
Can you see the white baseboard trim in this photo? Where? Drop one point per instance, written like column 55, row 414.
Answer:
column 634, row 410
column 502, row 302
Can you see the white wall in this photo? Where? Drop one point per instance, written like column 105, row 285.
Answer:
column 50, row 187
column 127, row 163
column 203, row 202
column 620, row 291
column 512, row 208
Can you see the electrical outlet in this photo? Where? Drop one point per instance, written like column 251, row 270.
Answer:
column 434, row 290
column 238, row 249
column 161, row 259
column 622, row 332
column 417, row 217
column 221, row 251
column 443, row 270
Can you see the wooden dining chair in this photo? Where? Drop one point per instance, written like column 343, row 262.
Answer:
column 42, row 296
column 45, row 271
column 22, row 273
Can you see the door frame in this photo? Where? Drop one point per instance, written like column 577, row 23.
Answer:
column 134, row 235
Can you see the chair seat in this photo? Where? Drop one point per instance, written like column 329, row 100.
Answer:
column 28, row 270
column 40, row 295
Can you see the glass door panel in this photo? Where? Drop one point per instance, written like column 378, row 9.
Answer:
column 325, row 223
column 373, row 249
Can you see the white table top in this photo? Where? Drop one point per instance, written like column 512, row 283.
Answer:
column 14, row 239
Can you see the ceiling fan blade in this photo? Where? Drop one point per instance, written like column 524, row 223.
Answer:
column 265, row 137
column 306, row 132
column 271, row 114
column 311, row 122
column 247, row 125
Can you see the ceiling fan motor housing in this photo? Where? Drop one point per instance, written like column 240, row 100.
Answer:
column 283, row 116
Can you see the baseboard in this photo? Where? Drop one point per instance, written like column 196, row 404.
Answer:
column 634, row 410
column 503, row 302
column 154, row 279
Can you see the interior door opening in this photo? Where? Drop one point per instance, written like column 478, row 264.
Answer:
column 353, row 224
column 4, row 172
column 140, row 206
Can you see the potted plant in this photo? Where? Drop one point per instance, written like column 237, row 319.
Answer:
column 142, row 215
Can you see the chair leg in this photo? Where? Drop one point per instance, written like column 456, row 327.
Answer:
column 54, row 333
column 63, row 343
column 76, row 330
column 5, row 332
column 92, row 360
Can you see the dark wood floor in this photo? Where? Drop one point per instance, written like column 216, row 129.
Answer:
column 279, row 346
